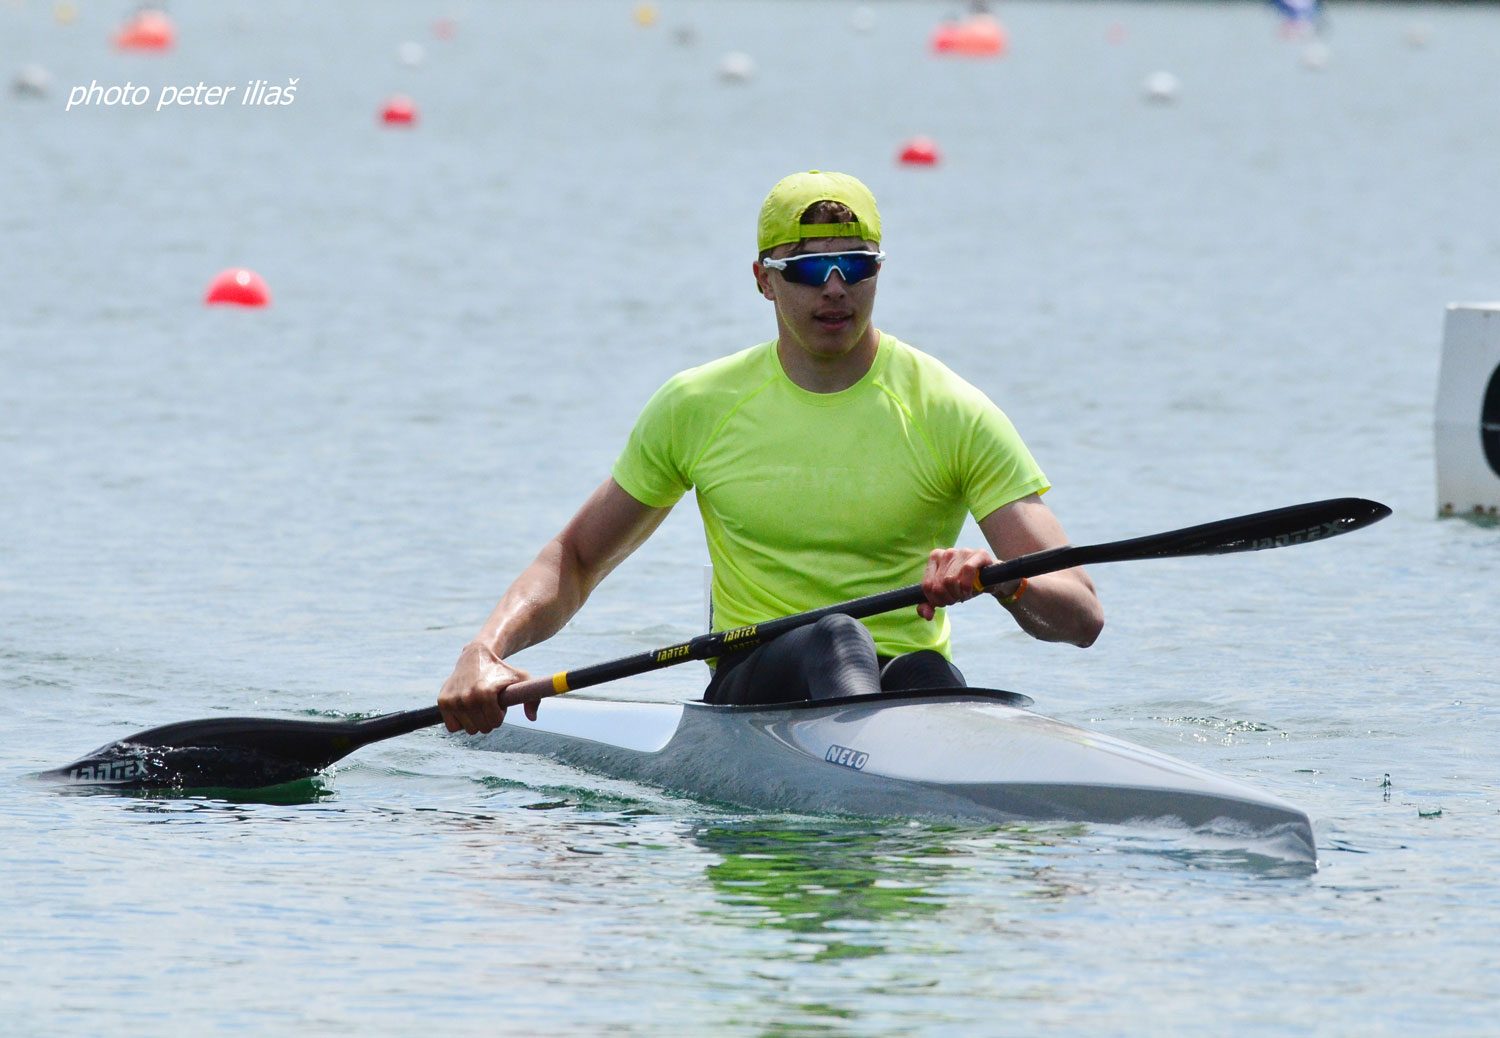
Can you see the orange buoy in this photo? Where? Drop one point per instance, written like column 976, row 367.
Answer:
column 981, row 36
column 919, row 151
column 399, row 110
column 984, row 36
column 445, row 28
column 239, row 287
column 147, row 30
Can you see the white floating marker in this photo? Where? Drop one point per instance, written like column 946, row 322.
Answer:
column 737, row 67
column 31, row 81
column 411, row 54
column 1467, row 421
column 1161, row 88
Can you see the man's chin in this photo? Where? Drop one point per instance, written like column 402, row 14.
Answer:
column 830, row 349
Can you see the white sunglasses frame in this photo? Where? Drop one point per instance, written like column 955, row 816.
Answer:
column 781, row 264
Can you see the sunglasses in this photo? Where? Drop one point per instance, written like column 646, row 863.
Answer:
column 813, row 268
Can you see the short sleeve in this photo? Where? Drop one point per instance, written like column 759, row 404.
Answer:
column 651, row 468
column 995, row 466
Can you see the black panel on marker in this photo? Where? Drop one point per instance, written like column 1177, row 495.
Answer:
column 1489, row 423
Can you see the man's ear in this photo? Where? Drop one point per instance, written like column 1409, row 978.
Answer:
column 763, row 281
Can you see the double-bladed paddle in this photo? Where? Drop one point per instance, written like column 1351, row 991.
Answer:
column 251, row 752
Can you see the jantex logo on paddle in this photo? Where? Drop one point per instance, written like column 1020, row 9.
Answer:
column 1312, row 533
column 845, row 756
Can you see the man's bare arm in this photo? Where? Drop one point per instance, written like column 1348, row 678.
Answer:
column 610, row 525
column 1056, row 607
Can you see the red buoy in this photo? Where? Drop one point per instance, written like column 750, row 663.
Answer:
column 981, row 36
column 147, row 30
column 239, row 287
column 945, row 37
column 919, row 151
column 399, row 110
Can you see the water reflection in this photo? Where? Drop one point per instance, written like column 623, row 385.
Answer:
column 829, row 887
column 302, row 791
column 847, row 891
column 1271, row 856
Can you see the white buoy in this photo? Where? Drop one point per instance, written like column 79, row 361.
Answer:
column 863, row 19
column 1466, row 425
column 736, row 67
column 1161, row 87
column 1315, row 56
column 31, row 81
column 411, row 54
column 1418, row 35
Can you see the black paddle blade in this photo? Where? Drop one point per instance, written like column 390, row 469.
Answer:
column 232, row 752
column 1277, row 528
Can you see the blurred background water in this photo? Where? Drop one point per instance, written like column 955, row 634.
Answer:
column 1192, row 307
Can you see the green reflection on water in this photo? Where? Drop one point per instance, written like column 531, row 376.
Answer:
column 849, row 893
column 836, row 888
column 301, row 791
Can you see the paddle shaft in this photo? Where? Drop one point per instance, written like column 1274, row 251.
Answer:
column 247, row 752
column 1277, row 528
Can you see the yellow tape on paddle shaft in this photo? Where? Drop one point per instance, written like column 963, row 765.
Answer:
column 1014, row 596
column 1009, row 599
column 560, row 682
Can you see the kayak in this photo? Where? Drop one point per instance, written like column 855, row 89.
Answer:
column 962, row 751
column 957, row 753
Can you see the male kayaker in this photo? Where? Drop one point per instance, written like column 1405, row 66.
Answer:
column 830, row 463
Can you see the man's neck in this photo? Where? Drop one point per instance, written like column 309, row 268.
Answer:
column 828, row 374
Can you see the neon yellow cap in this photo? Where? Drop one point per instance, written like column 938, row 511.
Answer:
column 781, row 212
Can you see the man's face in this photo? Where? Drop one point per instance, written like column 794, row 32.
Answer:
column 827, row 320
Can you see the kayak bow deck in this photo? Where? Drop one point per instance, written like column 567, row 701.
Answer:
column 960, row 753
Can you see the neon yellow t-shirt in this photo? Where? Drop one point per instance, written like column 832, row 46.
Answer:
column 809, row 498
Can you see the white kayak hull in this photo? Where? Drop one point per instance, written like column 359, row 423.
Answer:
column 952, row 753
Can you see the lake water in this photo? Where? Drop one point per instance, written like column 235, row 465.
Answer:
column 1191, row 310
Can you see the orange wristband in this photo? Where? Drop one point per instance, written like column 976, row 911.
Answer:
column 1015, row 595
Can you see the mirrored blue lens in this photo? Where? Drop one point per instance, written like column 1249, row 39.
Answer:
column 813, row 268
